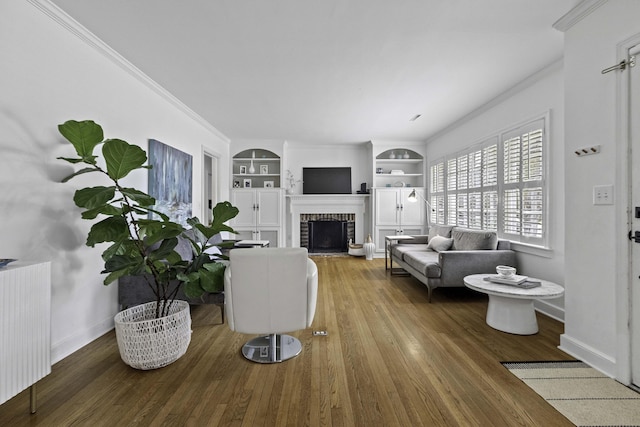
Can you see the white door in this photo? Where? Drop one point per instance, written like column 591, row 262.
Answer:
column 387, row 207
column 268, row 210
column 245, row 201
column 412, row 212
column 634, row 167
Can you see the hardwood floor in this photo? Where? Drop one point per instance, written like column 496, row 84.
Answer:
column 390, row 359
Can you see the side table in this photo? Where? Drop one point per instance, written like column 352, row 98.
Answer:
column 510, row 307
column 388, row 241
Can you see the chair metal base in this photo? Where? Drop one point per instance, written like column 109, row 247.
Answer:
column 272, row 348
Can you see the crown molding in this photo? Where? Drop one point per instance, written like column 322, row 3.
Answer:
column 577, row 14
column 77, row 29
column 519, row 87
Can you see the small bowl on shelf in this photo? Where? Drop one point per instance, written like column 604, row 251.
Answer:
column 505, row 270
column 5, row 261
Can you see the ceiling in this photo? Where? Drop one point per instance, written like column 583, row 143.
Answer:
column 330, row 71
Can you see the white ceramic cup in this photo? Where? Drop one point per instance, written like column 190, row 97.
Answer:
column 505, row 270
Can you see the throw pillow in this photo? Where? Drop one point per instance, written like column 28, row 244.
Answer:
column 440, row 230
column 470, row 240
column 440, row 244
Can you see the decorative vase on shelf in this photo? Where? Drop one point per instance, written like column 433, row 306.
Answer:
column 405, row 155
column 392, row 155
column 369, row 248
column 252, row 169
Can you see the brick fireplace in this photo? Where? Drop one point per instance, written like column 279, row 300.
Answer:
column 328, row 232
column 339, row 207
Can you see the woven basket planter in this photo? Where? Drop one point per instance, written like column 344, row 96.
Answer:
column 149, row 343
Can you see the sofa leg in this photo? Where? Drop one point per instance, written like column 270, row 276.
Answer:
column 222, row 312
column 429, row 292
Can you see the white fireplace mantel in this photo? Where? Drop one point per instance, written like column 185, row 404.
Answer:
column 326, row 203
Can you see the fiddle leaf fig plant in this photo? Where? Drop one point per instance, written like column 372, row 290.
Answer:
column 140, row 243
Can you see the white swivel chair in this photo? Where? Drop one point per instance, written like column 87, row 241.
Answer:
column 270, row 291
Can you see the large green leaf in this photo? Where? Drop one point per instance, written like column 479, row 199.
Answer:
column 84, row 136
column 111, row 229
column 142, row 198
column 155, row 231
column 223, row 212
column 212, row 277
column 122, row 262
column 192, row 289
column 123, row 247
column 94, row 197
column 165, row 249
column 79, row 172
column 104, row 210
column 122, row 157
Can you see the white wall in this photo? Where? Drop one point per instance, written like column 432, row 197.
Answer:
column 356, row 156
column 592, row 232
column 541, row 93
column 301, row 155
column 49, row 75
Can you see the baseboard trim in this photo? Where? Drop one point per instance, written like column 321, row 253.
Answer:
column 550, row 310
column 69, row 345
column 588, row 354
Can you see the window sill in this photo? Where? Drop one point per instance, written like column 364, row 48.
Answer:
column 532, row 249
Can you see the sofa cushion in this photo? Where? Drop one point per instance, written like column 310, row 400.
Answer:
column 399, row 250
column 440, row 230
column 426, row 262
column 470, row 240
column 439, row 243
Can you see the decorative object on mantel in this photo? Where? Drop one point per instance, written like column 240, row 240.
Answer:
column 291, row 181
column 141, row 245
column 5, row 261
column 252, row 168
column 355, row 249
column 369, row 248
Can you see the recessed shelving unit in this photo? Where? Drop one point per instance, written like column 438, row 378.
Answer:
column 265, row 173
column 399, row 167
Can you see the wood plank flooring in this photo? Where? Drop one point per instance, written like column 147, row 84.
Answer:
column 390, row 359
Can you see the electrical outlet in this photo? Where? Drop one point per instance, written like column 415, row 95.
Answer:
column 603, row 195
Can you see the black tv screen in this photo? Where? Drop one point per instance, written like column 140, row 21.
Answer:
column 326, row 180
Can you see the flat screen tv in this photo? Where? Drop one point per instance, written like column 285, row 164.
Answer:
column 326, row 180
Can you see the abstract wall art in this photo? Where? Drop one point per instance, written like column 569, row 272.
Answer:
column 170, row 181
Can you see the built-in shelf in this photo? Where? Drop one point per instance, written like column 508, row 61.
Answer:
column 412, row 168
column 260, row 159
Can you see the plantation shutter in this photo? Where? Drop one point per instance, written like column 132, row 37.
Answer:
column 523, row 187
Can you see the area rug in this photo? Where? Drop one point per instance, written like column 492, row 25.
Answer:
column 582, row 394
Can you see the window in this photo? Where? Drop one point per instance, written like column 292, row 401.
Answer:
column 496, row 185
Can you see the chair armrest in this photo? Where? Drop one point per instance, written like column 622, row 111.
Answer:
column 228, row 299
column 456, row 265
column 312, row 290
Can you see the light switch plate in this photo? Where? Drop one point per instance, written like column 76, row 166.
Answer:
column 603, row 195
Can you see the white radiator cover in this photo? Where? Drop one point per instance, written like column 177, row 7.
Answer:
column 25, row 326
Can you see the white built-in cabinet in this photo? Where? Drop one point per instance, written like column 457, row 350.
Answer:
column 260, row 215
column 396, row 215
column 397, row 172
column 257, row 194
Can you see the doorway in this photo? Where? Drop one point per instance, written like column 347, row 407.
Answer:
column 634, row 217
column 209, row 185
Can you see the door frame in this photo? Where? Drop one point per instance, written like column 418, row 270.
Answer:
column 214, row 184
column 623, row 212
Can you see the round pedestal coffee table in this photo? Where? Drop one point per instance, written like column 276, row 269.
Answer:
column 510, row 307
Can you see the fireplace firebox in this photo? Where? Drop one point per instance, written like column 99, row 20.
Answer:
column 328, row 236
